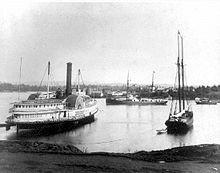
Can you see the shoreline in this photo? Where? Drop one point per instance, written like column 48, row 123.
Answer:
column 196, row 158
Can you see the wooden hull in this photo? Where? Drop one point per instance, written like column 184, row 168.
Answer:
column 56, row 125
column 179, row 125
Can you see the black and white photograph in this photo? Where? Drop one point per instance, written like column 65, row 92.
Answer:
column 110, row 86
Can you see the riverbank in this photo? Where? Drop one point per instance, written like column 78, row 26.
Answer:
column 22, row 156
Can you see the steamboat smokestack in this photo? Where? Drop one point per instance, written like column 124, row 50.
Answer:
column 68, row 79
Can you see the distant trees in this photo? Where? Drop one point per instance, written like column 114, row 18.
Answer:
column 201, row 91
column 212, row 92
column 8, row 87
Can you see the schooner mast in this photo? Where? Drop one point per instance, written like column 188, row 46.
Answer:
column 180, row 67
column 178, row 71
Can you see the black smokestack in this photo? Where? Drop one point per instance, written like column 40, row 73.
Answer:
column 68, row 79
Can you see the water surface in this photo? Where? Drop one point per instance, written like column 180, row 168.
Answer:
column 122, row 128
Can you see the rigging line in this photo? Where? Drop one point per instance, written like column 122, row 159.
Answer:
column 187, row 100
column 42, row 79
column 82, row 79
column 174, row 88
column 75, row 84
column 53, row 82
column 52, row 78
column 19, row 84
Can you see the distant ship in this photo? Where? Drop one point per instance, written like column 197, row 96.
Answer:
column 131, row 100
column 182, row 119
column 53, row 110
column 125, row 98
column 204, row 101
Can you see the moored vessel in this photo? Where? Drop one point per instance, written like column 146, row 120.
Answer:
column 181, row 115
column 204, row 101
column 126, row 98
column 62, row 110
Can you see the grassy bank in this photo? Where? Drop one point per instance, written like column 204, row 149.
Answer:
column 22, row 156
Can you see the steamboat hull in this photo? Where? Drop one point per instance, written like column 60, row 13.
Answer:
column 54, row 125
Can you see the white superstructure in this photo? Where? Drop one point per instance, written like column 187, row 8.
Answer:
column 49, row 110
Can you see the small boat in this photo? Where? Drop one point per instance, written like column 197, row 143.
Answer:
column 46, row 111
column 161, row 131
column 204, row 101
column 180, row 119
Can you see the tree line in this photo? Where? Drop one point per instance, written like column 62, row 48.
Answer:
column 212, row 92
column 8, row 87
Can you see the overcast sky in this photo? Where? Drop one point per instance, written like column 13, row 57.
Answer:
column 105, row 40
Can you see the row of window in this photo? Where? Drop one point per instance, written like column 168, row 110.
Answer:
column 32, row 115
column 35, row 106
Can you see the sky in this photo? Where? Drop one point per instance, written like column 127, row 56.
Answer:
column 107, row 39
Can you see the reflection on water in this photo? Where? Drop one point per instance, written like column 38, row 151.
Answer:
column 123, row 128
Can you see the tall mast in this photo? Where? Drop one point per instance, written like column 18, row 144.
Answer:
column 152, row 86
column 19, row 84
column 178, row 67
column 182, row 65
column 48, row 79
column 127, row 84
column 78, row 85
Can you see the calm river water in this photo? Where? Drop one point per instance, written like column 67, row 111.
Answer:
column 126, row 128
